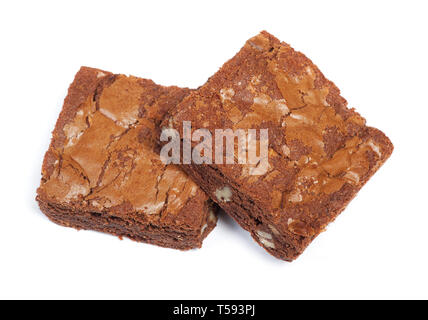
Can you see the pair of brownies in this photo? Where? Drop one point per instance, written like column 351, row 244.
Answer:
column 103, row 170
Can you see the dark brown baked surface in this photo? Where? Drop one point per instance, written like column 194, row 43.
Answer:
column 102, row 171
column 320, row 152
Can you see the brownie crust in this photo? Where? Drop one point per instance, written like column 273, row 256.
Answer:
column 102, row 170
column 320, row 151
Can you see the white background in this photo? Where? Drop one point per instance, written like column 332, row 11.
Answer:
column 375, row 51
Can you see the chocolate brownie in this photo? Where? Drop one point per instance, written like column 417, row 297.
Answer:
column 320, row 152
column 102, row 171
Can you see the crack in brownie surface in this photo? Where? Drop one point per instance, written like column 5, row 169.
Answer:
column 103, row 159
column 320, row 152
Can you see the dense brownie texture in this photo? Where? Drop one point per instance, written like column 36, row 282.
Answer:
column 320, row 152
column 102, row 171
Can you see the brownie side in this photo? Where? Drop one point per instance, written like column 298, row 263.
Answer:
column 160, row 235
column 102, row 172
column 320, row 151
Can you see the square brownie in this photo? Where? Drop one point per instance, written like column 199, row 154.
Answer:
column 320, row 152
column 102, row 170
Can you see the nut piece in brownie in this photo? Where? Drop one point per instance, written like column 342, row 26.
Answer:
column 102, row 171
column 320, row 152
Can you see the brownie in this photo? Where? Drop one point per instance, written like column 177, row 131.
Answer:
column 102, row 171
column 320, row 153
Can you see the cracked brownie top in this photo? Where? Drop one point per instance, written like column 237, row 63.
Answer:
column 320, row 151
column 102, row 156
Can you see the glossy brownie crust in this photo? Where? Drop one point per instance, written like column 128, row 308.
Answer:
column 320, row 152
column 102, row 170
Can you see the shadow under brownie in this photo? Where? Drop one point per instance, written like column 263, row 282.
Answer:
column 102, row 170
column 320, row 152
